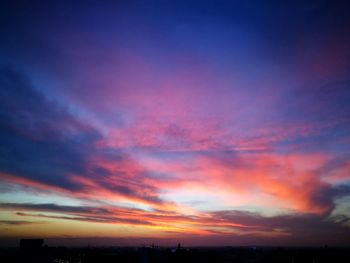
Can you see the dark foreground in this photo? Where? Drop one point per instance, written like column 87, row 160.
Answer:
column 183, row 255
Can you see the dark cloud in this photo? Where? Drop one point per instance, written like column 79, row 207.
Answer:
column 52, row 208
column 78, row 213
column 325, row 196
column 93, row 219
column 298, row 229
column 44, row 142
column 133, row 188
column 39, row 140
column 301, row 229
column 16, row 222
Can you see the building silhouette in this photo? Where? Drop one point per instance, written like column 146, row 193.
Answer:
column 31, row 244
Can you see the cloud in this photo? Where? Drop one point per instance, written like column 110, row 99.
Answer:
column 290, row 182
column 301, row 229
column 228, row 224
column 78, row 213
column 52, row 208
column 45, row 146
column 16, row 222
column 95, row 219
column 40, row 140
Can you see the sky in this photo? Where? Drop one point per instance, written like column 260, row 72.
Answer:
column 202, row 122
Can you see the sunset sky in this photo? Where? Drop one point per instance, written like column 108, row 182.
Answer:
column 201, row 122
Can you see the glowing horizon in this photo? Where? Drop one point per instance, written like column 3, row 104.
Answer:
column 210, row 123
